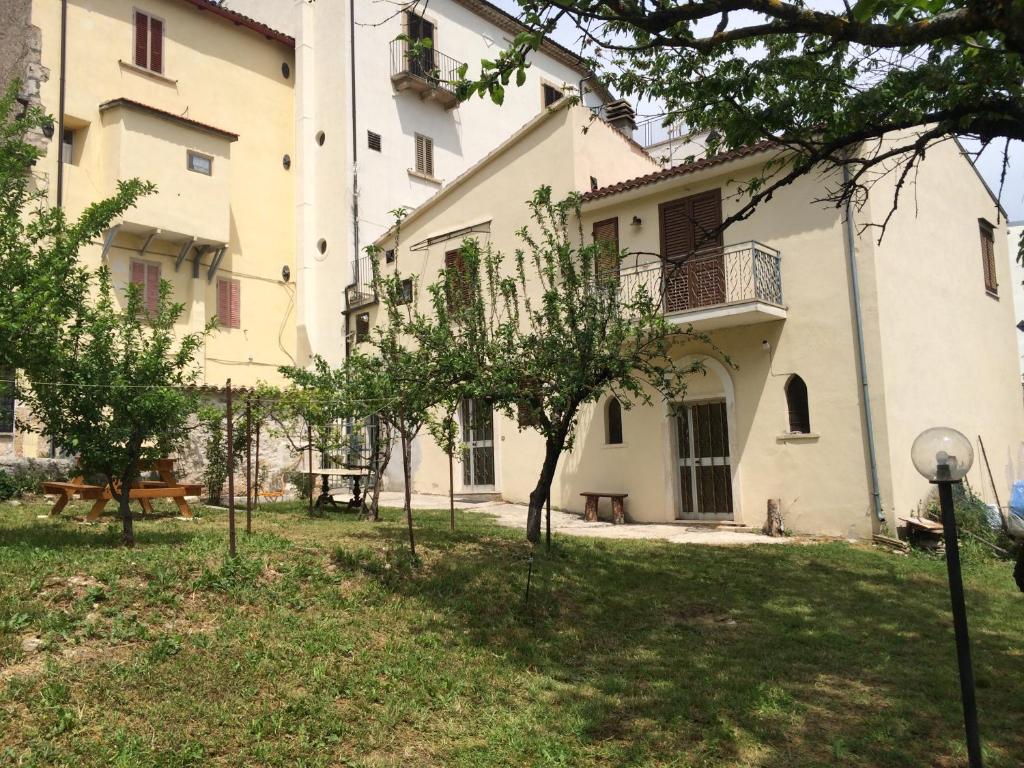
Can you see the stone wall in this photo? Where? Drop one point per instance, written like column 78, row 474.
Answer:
column 21, row 53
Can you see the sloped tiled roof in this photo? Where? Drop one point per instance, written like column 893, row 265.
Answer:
column 241, row 20
column 182, row 120
column 679, row 170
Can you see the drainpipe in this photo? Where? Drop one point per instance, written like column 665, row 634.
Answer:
column 862, row 366
column 355, row 167
column 60, row 117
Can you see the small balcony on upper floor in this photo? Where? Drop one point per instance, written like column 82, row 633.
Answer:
column 719, row 287
column 426, row 72
column 361, row 292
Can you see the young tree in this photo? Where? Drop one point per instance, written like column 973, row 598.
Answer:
column 115, row 388
column 825, row 81
column 44, row 285
column 556, row 333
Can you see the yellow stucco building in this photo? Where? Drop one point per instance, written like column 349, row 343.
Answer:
column 840, row 349
column 197, row 100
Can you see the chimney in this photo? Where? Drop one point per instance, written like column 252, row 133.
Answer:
column 621, row 116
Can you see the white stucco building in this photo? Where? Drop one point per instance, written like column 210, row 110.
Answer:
column 378, row 128
column 1016, row 229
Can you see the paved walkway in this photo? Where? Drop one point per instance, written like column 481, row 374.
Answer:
column 514, row 516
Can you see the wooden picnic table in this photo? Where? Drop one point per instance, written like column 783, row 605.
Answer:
column 167, row 487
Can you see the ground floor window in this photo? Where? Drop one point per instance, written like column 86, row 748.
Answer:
column 705, row 470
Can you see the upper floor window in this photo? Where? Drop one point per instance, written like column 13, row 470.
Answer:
column 613, row 418
column 606, row 260
column 460, row 286
column 198, row 163
column 229, row 303
column 796, row 402
column 6, row 400
column 424, row 155
column 405, row 291
column 362, row 327
column 67, row 147
column 551, row 94
column 149, row 42
column 147, row 277
column 988, row 256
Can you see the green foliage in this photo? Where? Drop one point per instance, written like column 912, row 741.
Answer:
column 26, row 479
column 825, row 80
column 114, row 388
column 215, row 466
column 972, row 521
column 44, row 282
column 303, row 482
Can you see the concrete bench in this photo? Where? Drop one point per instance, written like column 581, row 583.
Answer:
column 618, row 507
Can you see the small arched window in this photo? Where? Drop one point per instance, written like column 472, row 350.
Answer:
column 614, row 422
column 796, row 402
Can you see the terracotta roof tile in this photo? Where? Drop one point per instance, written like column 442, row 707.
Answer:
column 242, row 20
column 679, row 170
column 130, row 104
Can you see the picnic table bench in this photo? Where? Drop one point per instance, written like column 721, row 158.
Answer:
column 167, row 487
column 618, row 507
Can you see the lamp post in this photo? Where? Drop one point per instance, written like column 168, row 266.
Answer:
column 944, row 456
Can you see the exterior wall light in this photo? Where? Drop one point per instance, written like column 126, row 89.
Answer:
column 286, row 273
column 944, row 456
column 636, row 221
column 48, row 128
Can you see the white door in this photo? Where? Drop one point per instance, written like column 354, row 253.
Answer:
column 477, row 419
column 705, row 466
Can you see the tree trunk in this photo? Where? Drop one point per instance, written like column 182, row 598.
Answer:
column 451, row 486
column 380, row 462
column 124, row 503
column 407, row 471
column 539, row 495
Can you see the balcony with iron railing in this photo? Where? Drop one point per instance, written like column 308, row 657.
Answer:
column 713, row 288
column 426, row 72
column 361, row 292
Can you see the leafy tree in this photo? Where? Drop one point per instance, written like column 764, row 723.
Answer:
column 44, row 285
column 823, row 81
column 554, row 333
column 116, row 385
column 257, row 416
column 215, row 466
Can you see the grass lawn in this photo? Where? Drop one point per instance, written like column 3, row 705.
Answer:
column 321, row 645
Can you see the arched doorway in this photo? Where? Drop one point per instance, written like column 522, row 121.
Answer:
column 702, row 446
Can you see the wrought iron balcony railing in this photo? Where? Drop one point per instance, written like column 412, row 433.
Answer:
column 426, row 71
column 711, row 277
column 362, row 291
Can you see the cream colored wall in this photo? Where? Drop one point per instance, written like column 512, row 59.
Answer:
column 218, row 74
column 948, row 349
column 822, row 481
column 496, row 191
column 1016, row 271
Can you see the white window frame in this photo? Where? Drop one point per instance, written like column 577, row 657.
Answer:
column 190, row 154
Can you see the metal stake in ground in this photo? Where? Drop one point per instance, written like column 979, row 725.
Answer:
column 944, row 457
column 248, row 464
column 231, row 474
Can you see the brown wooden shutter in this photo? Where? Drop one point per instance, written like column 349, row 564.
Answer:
column 139, row 275
column 141, row 39
column 988, row 256
column 707, row 219
column 460, row 290
column 424, row 155
column 691, row 245
column 606, row 237
column 156, row 45
column 223, row 303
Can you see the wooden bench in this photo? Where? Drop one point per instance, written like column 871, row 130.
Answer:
column 618, row 508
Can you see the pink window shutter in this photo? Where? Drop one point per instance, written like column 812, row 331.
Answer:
column 152, row 287
column 236, row 304
column 156, row 45
column 223, row 304
column 139, row 274
column 141, row 39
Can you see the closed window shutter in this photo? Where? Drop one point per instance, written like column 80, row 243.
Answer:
column 460, row 290
column 139, row 274
column 606, row 237
column 988, row 256
column 141, row 39
column 223, row 303
column 236, row 304
column 156, row 45
column 420, row 161
column 152, row 296
column 707, row 219
column 425, row 155
column 691, row 223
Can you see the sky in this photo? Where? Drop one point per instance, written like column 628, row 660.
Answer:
column 989, row 164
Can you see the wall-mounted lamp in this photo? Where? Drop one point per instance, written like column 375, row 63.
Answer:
column 48, row 128
column 766, row 345
column 286, row 273
column 636, row 221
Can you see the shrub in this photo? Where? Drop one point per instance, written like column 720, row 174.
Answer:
column 20, row 479
column 215, row 472
column 302, row 481
column 972, row 520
